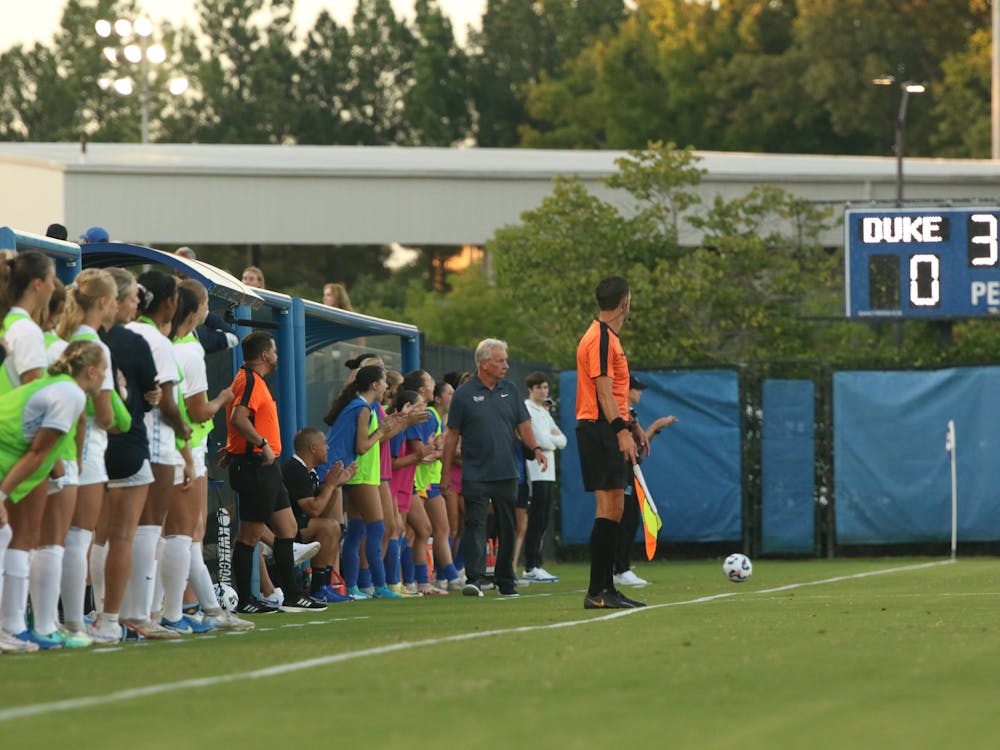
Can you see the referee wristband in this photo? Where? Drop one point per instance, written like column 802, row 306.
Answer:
column 618, row 424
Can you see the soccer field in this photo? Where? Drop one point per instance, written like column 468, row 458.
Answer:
column 884, row 653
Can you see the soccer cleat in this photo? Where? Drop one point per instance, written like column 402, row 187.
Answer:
column 199, row 623
column 71, row 639
column 228, row 621
column 103, row 633
column 11, row 644
column 181, row 626
column 427, row 589
column 355, row 593
column 303, row 552
column 455, row 584
column 44, row 642
column 409, row 590
column 606, row 599
column 255, row 607
column 629, row 578
column 508, row 591
column 384, row 592
column 630, row 602
column 330, row 595
column 472, row 588
column 303, row 604
column 540, row 575
column 150, row 631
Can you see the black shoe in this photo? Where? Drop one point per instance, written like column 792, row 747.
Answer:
column 630, row 602
column 507, row 590
column 302, row 604
column 607, row 599
column 255, row 607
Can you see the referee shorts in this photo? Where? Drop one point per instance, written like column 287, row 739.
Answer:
column 601, row 462
column 260, row 487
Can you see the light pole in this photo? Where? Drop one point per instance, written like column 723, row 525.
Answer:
column 906, row 88
column 134, row 46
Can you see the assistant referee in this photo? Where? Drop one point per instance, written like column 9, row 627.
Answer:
column 606, row 441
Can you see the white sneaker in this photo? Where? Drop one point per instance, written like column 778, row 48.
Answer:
column 628, row 578
column 228, row 621
column 303, row 552
column 540, row 575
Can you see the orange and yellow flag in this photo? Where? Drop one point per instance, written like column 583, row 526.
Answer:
column 651, row 522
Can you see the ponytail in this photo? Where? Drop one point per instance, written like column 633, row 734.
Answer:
column 90, row 287
column 366, row 376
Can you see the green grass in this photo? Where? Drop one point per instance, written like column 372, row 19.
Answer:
column 906, row 659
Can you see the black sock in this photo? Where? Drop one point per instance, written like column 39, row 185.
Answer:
column 285, row 563
column 320, row 578
column 243, row 570
column 602, row 554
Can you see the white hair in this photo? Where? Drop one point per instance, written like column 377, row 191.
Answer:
column 485, row 349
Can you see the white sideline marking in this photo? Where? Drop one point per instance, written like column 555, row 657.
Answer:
column 70, row 704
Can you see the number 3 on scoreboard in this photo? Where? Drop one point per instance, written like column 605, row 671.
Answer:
column 983, row 236
column 925, row 280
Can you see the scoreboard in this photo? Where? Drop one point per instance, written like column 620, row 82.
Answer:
column 922, row 263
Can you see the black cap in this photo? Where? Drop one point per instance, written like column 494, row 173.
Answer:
column 57, row 232
column 635, row 384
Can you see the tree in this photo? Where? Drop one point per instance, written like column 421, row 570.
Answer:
column 380, row 69
column 322, row 90
column 245, row 70
column 438, row 103
column 739, row 295
column 772, row 75
column 520, row 41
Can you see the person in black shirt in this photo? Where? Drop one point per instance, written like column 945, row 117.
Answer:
column 318, row 506
column 127, row 458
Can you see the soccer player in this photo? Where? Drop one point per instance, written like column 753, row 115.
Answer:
column 604, row 438
column 189, row 506
column 36, row 421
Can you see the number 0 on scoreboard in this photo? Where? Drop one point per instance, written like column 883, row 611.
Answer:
column 922, row 263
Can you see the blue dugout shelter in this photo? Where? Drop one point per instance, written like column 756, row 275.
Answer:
column 65, row 254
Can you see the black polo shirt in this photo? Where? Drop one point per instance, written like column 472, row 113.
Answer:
column 486, row 419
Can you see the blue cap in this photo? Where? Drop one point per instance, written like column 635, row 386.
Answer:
column 95, row 234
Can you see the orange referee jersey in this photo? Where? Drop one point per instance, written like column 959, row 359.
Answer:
column 600, row 353
column 255, row 396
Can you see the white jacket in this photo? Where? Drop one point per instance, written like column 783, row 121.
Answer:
column 549, row 439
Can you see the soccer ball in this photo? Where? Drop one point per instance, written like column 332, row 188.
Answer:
column 227, row 596
column 737, row 568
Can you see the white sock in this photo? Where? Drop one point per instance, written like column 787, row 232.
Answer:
column 74, row 573
column 200, row 580
column 98, row 559
column 5, row 536
column 174, row 568
column 154, row 601
column 14, row 600
column 140, row 577
column 44, row 580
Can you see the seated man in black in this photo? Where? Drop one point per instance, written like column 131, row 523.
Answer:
column 318, row 507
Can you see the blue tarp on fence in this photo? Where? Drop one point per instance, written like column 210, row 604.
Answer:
column 788, row 477
column 694, row 470
column 892, row 473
